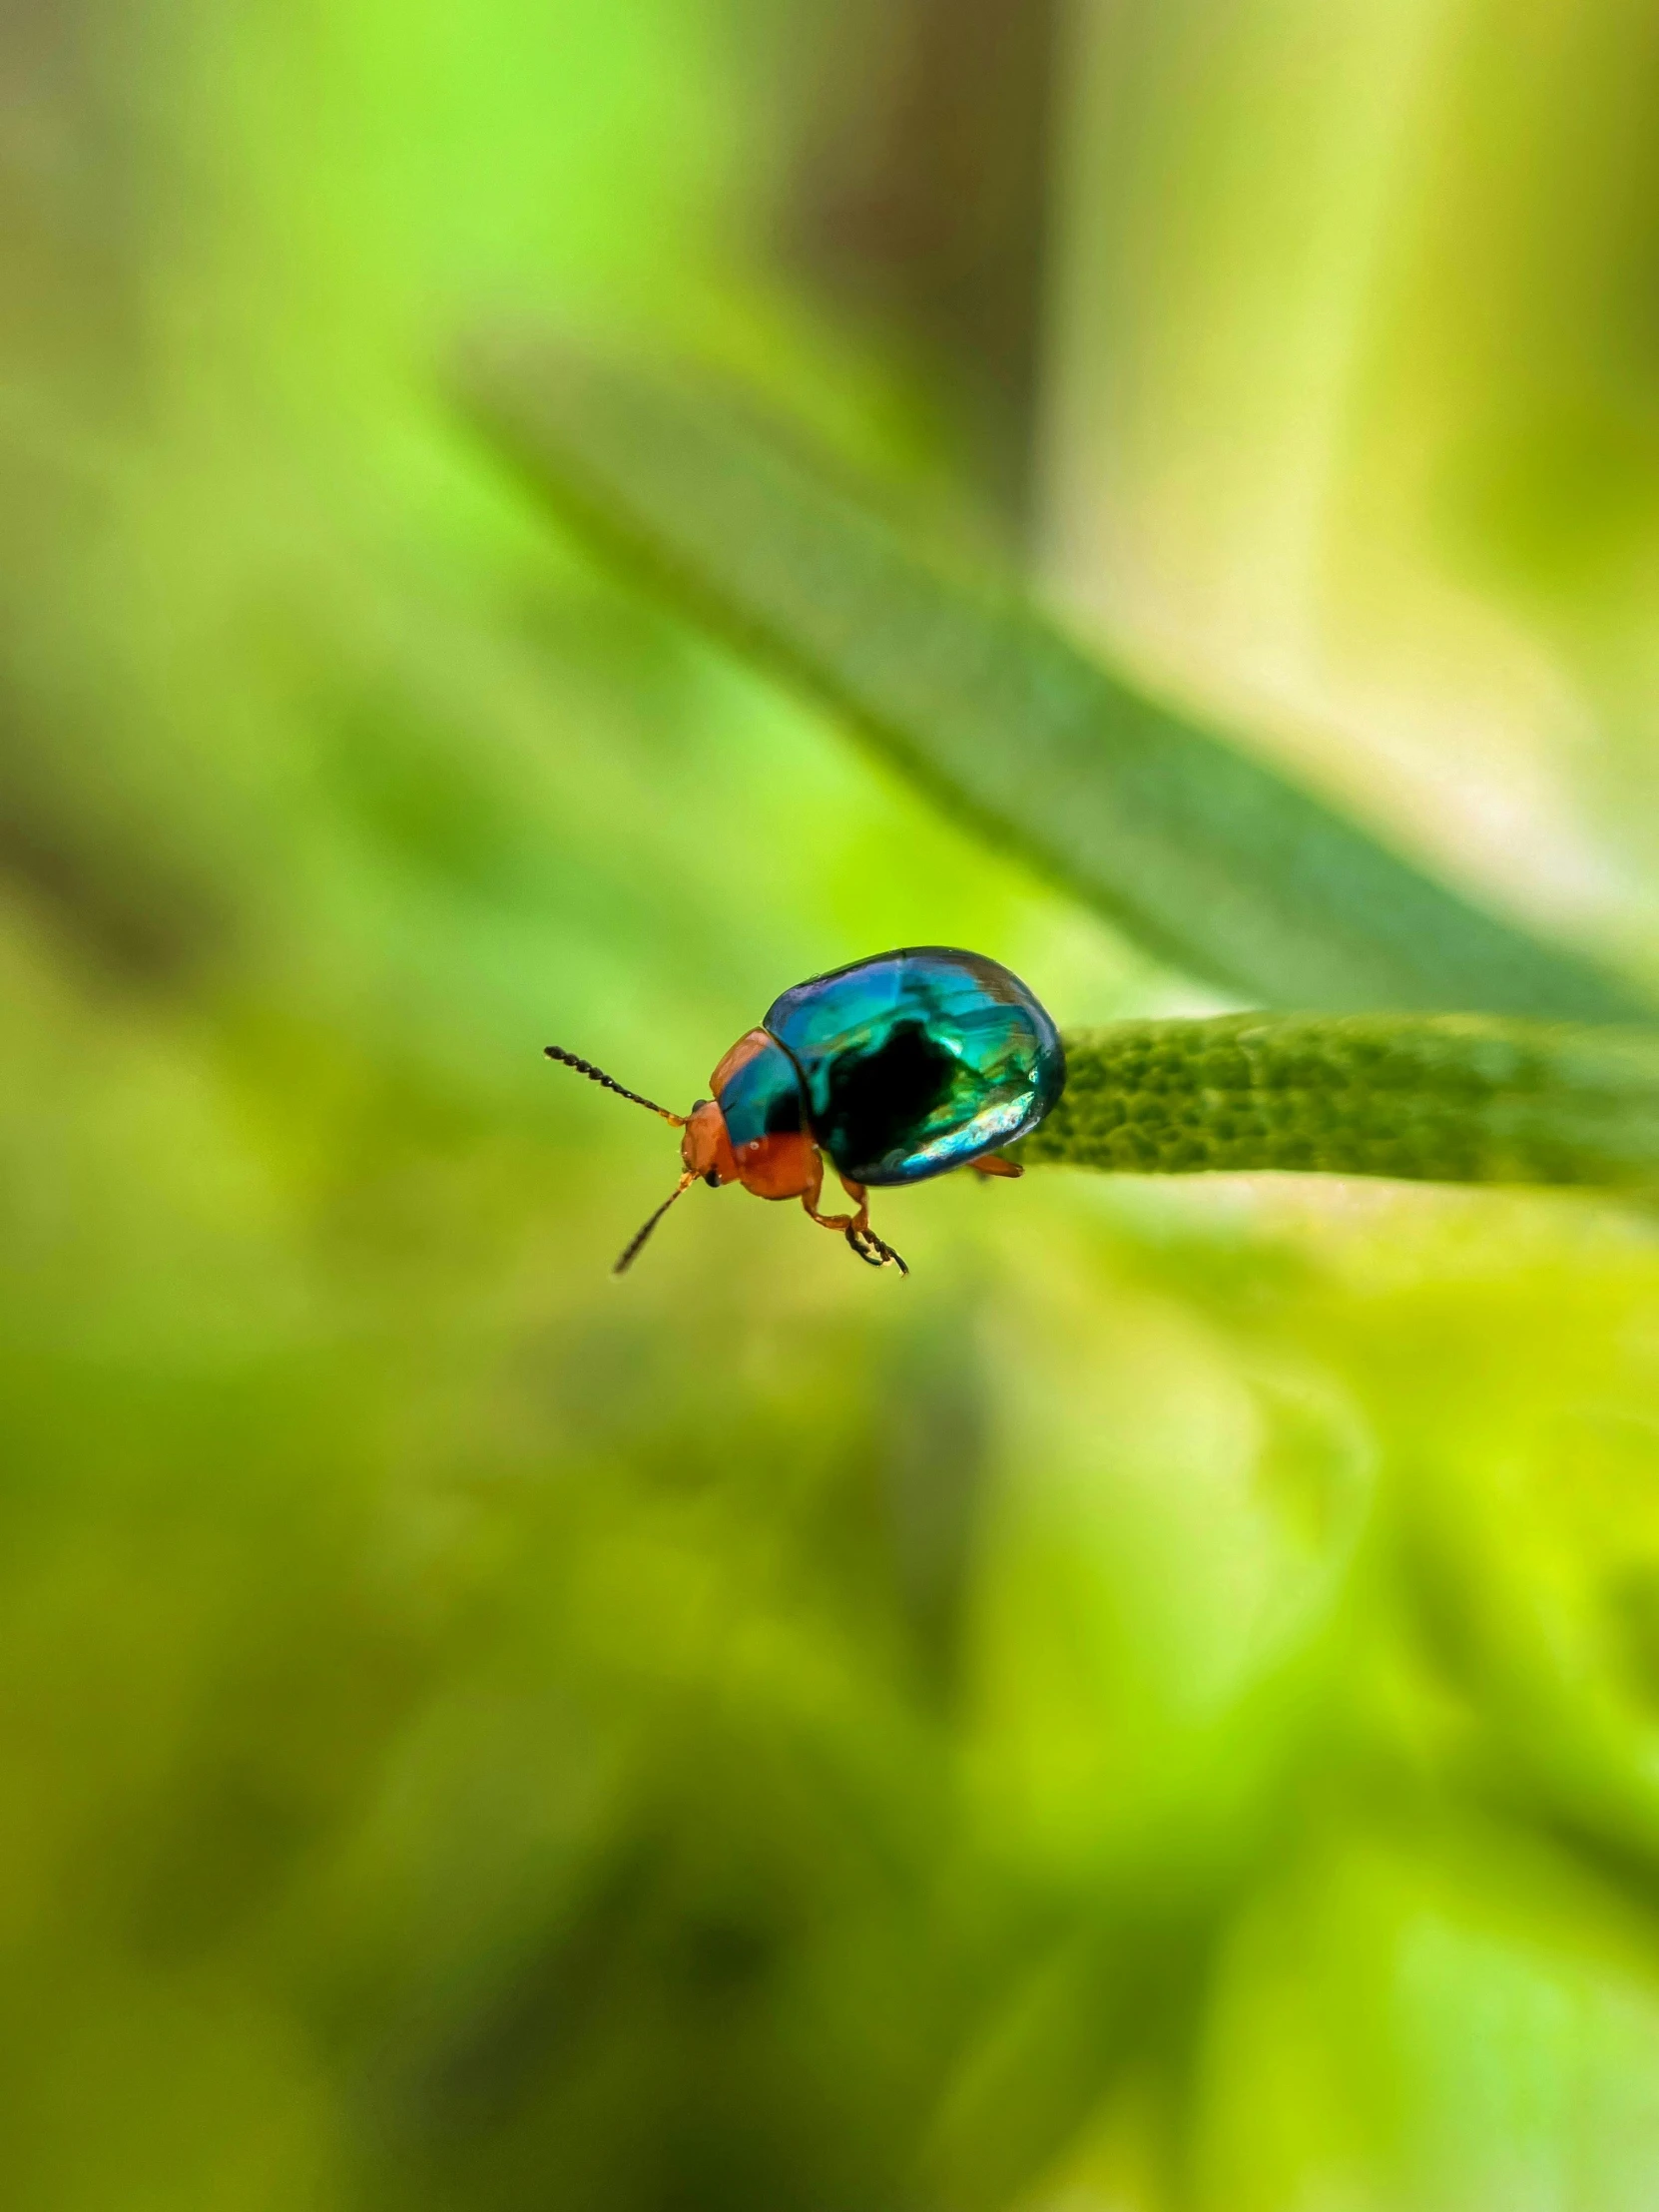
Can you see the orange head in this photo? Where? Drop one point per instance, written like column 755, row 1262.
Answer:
column 773, row 1156
column 706, row 1148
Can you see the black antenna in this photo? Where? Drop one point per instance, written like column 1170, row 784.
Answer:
column 598, row 1075
column 679, row 1190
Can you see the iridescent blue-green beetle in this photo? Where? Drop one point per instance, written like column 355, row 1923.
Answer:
column 895, row 1068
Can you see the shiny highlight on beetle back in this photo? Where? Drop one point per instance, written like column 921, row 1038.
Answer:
column 918, row 1061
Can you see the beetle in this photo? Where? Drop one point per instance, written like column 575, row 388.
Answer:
column 894, row 1068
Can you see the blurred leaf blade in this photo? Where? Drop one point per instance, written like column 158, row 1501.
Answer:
column 1206, row 855
column 1421, row 1098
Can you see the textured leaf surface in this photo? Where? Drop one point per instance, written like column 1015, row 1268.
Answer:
column 1430, row 1098
column 1211, row 858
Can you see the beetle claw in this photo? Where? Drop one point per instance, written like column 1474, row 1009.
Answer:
column 873, row 1250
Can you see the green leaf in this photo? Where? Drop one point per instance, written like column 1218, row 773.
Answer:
column 1211, row 858
column 1431, row 1098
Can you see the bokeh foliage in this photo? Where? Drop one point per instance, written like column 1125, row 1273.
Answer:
column 1161, row 1709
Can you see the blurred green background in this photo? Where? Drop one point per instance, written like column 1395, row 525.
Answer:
column 1161, row 1710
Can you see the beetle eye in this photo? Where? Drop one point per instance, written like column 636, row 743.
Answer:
column 713, row 1179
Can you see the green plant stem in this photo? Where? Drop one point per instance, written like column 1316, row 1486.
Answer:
column 1430, row 1098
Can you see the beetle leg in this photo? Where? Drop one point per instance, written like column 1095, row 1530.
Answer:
column 862, row 1240
column 995, row 1164
column 810, row 1198
column 826, row 1221
column 873, row 1249
column 846, row 1222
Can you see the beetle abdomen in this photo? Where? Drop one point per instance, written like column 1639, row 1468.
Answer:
column 918, row 1061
